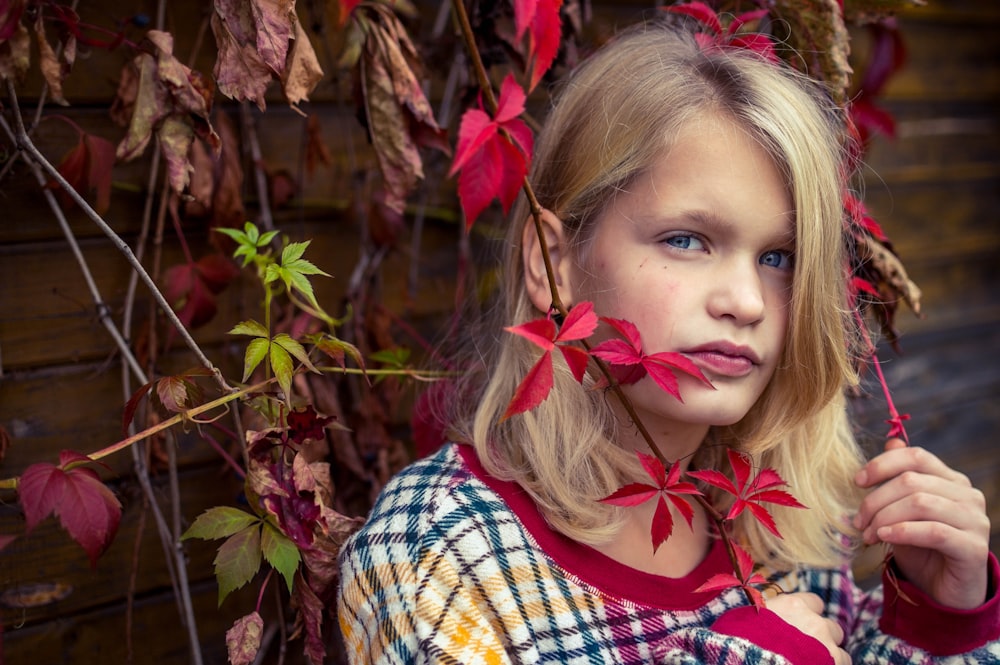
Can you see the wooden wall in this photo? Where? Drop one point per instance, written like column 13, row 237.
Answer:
column 935, row 189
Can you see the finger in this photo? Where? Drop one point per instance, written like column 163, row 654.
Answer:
column 955, row 544
column 895, row 444
column 930, row 508
column 899, row 460
column 930, row 497
column 836, row 632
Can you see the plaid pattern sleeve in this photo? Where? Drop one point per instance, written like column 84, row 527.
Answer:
column 444, row 571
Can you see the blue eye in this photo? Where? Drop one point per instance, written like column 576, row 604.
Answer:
column 777, row 259
column 684, row 242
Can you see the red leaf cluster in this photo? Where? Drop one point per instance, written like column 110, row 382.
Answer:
column 717, row 36
column 745, row 578
column 631, row 363
column 750, row 492
column 493, row 154
column 666, row 485
column 190, row 288
column 536, row 385
column 85, row 506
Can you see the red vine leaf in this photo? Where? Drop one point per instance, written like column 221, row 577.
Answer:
column 541, row 20
column 536, row 385
column 715, row 36
column 750, row 492
column 666, row 484
column 309, row 621
column 628, row 352
column 243, row 639
column 191, row 288
column 87, row 167
column 86, row 508
column 493, row 154
column 746, row 578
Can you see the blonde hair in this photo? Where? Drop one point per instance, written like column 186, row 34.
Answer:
column 613, row 119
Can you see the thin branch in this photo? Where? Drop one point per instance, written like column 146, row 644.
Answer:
column 256, row 163
column 24, row 142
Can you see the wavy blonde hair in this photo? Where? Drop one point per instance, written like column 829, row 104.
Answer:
column 614, row 117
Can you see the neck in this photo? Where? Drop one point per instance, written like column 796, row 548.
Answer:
column 676, row 442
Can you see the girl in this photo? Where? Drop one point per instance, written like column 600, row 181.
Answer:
column 697, row 194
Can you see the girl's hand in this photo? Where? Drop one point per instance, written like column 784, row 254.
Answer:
column 804, row 611
column 934, row 519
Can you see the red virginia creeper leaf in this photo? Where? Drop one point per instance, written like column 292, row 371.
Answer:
column 577, row 359
column 701, row 13
column 86, row 508
column 632, row 494
column 580, row 323
column 541, row 332
column 545, row 36
column 533, row 389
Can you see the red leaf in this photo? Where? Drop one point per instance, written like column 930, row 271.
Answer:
column 492, row 164
column 86, row 508
column 541, row 332
column 632, row 494
column 191, row 287
column 701, row 13
column 750, row 492
column 577, row 360
column 718, row 582
column 626, row 329
column 744, row 18
column 546, row 33
column 896, row 428
column 524, row 12
column 305, row 423
column 511, row 101
column 758, row 43
column 580, row 323
column 662, row 525
column 654, row 468
column 617, row 352
column 133, row 404
column 533, row 390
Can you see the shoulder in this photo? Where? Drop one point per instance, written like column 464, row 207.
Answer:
column 425, row 502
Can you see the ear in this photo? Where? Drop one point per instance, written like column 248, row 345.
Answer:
column 535, row 278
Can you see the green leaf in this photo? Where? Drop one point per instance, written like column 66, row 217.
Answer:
column 256, row 350
column 304, row 267
column 272, row 273
column 294, row 348
column 301, row 285
column 266, row 239
column 251, row 232
column 251, row 328
column 281, row 365
column 238, row 560
column 293, row 251
column 238, row 236
column 280, row 552
column 397, row 357
column 219, row 522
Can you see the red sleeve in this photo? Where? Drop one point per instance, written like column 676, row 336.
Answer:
column 940, row 630
column 769, row 631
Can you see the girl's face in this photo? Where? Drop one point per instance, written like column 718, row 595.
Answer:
column 698, row 254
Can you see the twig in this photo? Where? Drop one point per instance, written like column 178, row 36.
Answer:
column 256, row 163
column 24, row 142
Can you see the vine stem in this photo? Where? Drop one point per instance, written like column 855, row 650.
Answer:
column 12, row 483
column 873, row 356
column 25, row 143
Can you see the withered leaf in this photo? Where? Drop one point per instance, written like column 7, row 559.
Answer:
column 240, row 72
column 274, row 22
column 123, row 105
column 398, row 114
column 243, row 639
column 302, row 71
column 88, row 167
column 53, row 70
column 172, row 100
column 818, row 34
column 892, row 272
column 15, row 51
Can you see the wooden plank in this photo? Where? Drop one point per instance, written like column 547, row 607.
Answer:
column 48, row 556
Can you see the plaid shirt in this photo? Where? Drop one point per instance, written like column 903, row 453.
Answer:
column 453, row 566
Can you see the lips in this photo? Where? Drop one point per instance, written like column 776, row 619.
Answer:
column 724, row 358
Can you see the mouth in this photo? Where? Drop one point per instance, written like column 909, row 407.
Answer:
column 724, row 359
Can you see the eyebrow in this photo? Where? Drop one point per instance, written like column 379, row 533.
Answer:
column 718, row 224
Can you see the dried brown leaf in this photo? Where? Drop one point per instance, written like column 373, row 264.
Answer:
column 52, row 69
column 302, row 72
column 240, row 72
column 243, row 639
column 821, row 40
column 125, row 97
column 273, row 20
column 892, row 272
column 15, row 53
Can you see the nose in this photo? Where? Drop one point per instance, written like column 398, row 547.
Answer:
column 737, row 293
